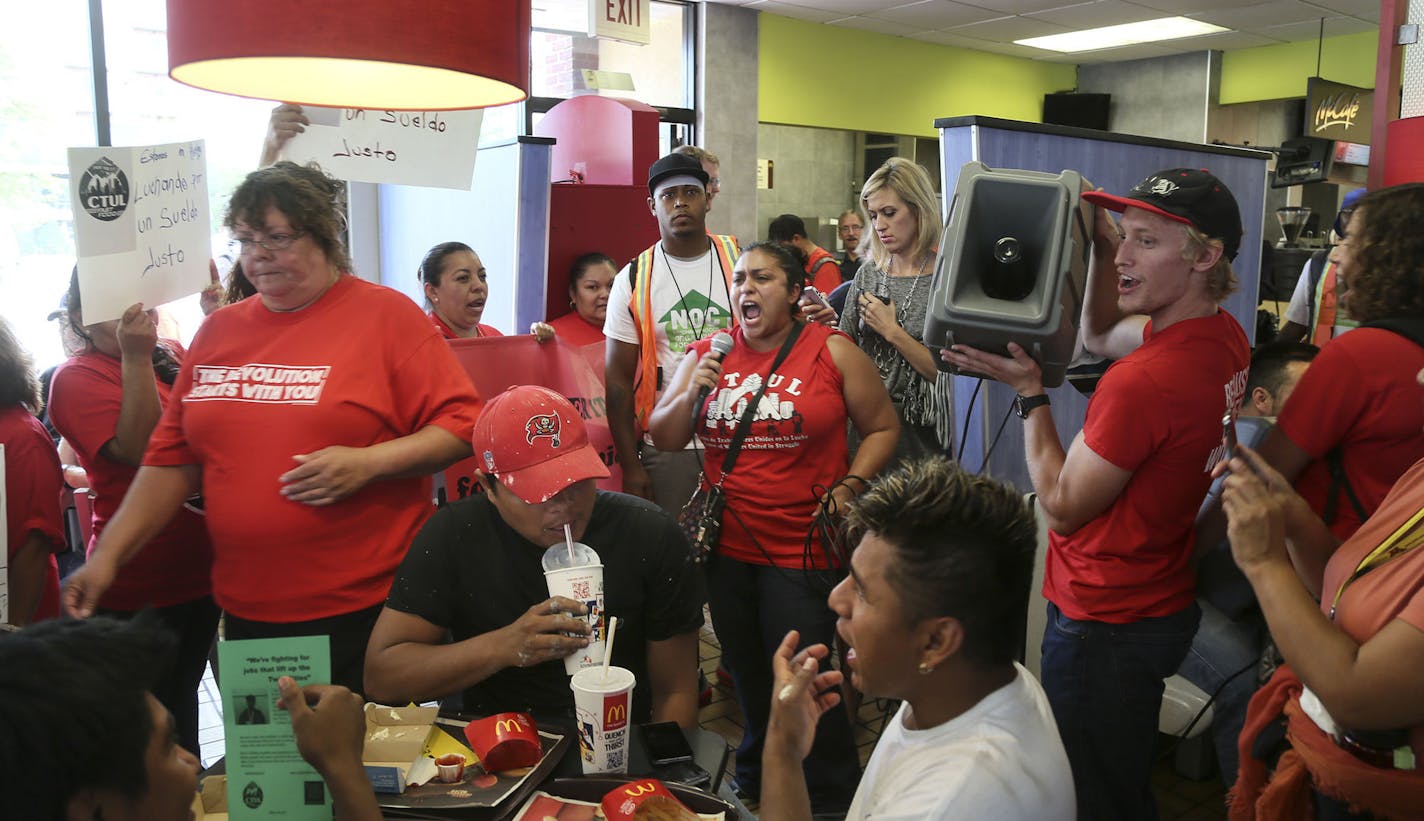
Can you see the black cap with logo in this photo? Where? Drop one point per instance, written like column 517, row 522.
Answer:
column 1187, row 195
column 675, row 165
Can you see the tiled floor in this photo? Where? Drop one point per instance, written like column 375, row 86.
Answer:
column 1178, row 799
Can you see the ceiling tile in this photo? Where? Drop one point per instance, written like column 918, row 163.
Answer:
column 1100, row 13
column 1260, row 15
column 847, row 8
column 798, row 12
column 1310, row 29
column 1009, row 29
column 934, row 14
column 1363, row 9
column 1188, row 6
column 872, row 24
column 1007, row 7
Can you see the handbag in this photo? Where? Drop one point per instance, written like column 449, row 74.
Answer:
column 701, row 518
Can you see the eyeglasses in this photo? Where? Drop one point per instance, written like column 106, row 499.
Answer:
column 273, row 242
column 1342, row 222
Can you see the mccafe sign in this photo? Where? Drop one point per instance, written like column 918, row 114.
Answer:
column 1335, row 111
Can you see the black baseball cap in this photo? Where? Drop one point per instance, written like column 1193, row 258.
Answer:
column 1191, row 196
column 675, row 165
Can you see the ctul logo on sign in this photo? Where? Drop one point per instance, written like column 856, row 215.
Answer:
column 615, row 712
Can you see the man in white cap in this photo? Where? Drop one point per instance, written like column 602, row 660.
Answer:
column 671, row 295
column 474, row 574
column 1121, row 501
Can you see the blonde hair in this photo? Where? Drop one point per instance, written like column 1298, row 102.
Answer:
column 1220, row 280
column 912, row 183
column 697, row 153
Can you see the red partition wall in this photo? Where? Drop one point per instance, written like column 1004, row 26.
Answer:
column 607, row 145
column 613, row 219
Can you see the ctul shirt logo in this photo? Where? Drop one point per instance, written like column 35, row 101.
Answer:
column 539, row 426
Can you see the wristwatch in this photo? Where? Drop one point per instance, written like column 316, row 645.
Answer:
column 1024, row 405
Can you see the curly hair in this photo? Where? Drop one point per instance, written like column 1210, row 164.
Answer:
column 311, row 200
column 963, row 547
column 912, row 183
column 1386, row 273
column 18, row 383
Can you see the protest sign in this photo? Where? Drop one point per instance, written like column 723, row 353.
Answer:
column 429, row 148
column 140, row 224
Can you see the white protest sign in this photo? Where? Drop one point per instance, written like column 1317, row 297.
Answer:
column 141, row 225
column 429, row 148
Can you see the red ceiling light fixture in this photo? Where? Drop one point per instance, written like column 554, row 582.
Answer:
column 396, row 54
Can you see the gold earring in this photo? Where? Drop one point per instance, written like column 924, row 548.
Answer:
column 925, row 668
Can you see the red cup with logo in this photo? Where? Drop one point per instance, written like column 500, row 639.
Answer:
column 504, row 741
column 603, row 702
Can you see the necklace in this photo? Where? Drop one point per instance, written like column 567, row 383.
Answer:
column 886, row 356
column 701, row 328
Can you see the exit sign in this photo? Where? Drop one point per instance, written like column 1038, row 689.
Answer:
column 627, row 20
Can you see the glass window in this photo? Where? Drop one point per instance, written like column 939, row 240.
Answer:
column 46, row 105
column 560, row 50
column 149, row 107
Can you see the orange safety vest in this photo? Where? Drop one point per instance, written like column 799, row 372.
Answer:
column 645, row 389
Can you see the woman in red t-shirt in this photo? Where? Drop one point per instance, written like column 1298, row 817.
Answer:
column 590, row 281
column 773, row 567
column 31, row 488
column 106, row 401
column 456, row 291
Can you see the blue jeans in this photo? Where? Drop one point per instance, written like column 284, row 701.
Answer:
column 752, row 607
column 1222, row 647
column 1104, row 682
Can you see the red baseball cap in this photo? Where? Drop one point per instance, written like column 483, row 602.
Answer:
column 535, row 443
column 1190, row 196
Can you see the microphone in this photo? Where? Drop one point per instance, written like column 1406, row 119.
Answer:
column 721, row 346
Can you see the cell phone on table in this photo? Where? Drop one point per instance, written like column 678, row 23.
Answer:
column 665, row 743
column 810, row 292
column 1228, row 433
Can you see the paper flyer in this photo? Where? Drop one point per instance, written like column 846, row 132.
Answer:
column 141, row 225
column 429, row 148
column 266, row 776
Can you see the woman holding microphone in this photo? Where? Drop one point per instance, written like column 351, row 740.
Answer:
column 793, row 385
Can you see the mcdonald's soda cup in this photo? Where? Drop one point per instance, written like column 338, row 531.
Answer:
column 602, row 705
column 581, row 580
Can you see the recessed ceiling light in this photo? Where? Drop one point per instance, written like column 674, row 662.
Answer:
column 1147, row 31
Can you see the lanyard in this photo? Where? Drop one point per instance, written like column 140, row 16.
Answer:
column 1401, row 541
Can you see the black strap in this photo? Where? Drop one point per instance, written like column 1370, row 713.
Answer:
column 746, row 421
column 1409, row 327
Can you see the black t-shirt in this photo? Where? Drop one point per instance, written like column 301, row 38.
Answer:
column 469, row 572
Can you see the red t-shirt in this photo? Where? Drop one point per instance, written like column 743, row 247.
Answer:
column 176, row 565
column 1359, row 394
column 449, row 333
column 827, row 277
column 576, row 330
column 797, row 440
column 32, row 488
column 1393, row 590
column 359, row 367
column 1157, row 413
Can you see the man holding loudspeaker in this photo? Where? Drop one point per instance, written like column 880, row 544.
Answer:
column 1121, row 500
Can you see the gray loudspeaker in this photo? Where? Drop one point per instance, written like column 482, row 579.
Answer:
column 1012, row 264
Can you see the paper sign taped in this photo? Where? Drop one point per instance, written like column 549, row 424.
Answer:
column 141, row 225
column 429, row 148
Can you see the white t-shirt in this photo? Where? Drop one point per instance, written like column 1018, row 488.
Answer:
column 1002, row 759
column 690, row 301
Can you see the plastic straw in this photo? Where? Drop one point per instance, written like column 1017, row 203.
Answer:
column 569, row 540
column 608, row 646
